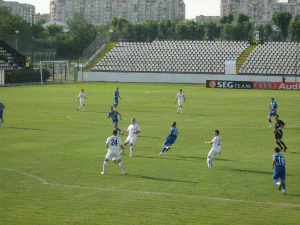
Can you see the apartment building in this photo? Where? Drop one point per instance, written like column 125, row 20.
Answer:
column 259, row 11
column 100, row 12
column 26, row 11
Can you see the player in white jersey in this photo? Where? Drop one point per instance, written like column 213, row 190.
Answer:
column 180, row 97
column 132, row 130
column 217, row 144
column 81, row 98
column 113, row 143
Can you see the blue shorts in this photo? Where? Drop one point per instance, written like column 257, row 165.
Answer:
column 116, row 100
column 272, row 114
column 279, row 174
column 170, row 140
column 115, row 122
column 1, row 114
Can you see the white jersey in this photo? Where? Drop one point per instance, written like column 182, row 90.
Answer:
column 180, row 97
column 81, row 96
column 133, row 128
column 217, row 142
column 114, row 143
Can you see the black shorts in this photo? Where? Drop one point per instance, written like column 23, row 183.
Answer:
column 278, row 134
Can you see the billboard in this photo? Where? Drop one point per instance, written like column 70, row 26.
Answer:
column 263, row 85
column 276, row 85
column 229, row 84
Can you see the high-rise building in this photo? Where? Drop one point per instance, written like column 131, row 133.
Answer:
column 100, row 12
column 259, row 11
column 26, row 11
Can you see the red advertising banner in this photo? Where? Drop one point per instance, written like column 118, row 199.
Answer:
column 276, row 85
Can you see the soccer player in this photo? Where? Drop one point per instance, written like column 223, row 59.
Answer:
column 1, row 112
column 133, row 130
column 112, row 145
column 171, row 138
column 217, row 144
column 180, row 97
column 279, row 124
column 117, row 96
column 279, row 162
column 273, row 111
column 114, row 116
column 81, row 98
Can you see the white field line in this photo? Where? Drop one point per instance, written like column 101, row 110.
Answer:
column 147, row 192
column 27, row 174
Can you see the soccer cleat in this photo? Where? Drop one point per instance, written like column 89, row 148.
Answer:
column 102, row 173
column 160, row 153
column 77, row 109
column 123, row 172
column 285, row 149
column 281, row 149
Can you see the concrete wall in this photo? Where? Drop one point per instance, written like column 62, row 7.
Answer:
column 174, row 78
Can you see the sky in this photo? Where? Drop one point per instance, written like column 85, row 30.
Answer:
column 193, row 7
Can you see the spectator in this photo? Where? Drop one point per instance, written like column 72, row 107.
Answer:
column 283, row 79
column 261, row 41
column 249, row 41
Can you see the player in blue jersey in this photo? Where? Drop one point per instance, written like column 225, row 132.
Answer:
column 117, row 96
column 279, row 163
column 1, row 112
column 170, row 139
column 114, row 116
column 273, row 111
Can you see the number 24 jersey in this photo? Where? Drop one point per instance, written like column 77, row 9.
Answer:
column 114, row 143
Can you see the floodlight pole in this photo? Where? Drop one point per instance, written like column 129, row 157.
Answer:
column 41, row 72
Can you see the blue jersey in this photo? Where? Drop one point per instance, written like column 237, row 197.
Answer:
column 280, row 162
column 174, row 132
column 273, row 106
column 116, row 94
column 113, row 115
column 1, row 105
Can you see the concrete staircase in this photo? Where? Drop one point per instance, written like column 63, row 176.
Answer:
column 241, row 60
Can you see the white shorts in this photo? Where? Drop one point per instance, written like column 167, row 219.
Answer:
column 213, row 152
column 130, row 139
column 81, row 102
column 180, row 103
column 110, row 154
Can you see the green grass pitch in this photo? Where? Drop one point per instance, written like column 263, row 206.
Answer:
column 51, row 156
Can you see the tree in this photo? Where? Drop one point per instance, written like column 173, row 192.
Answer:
column 282, row 20
column 36, row 30
column 297, row 17
column 54, row 29
column 9, row 23
column 227, row 31
column 212, row 30
column 230, row 18
column 151, row 27
column 223, row 19
column 268, row 30
column 242, row 17
column 295, row 30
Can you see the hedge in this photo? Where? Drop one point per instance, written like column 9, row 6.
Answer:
column 25, row 76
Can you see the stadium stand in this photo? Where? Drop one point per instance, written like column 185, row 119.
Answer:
column 9, row 58
column 172, row 56
column 278, row 58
